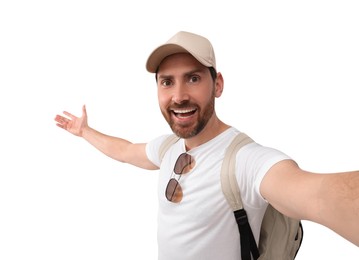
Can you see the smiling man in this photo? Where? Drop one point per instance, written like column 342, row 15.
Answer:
column 194, row 219
column 186, row 97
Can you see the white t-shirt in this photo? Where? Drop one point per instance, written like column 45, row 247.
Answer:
column 202, row 225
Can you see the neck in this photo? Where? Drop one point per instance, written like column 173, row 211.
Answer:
column 213, row 128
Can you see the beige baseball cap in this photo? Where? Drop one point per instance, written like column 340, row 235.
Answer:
column 183, row 42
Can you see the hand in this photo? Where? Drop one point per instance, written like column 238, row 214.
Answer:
column 74, row 125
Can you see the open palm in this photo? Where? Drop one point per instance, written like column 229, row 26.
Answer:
column 71, row 123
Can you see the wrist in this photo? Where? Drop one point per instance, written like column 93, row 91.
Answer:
column 85, row 132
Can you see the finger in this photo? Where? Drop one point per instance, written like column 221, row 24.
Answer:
column 61, row 126
column 69, row 115
column 58, row 118
column 62, row 120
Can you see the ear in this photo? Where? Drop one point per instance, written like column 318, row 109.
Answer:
column 219, row 84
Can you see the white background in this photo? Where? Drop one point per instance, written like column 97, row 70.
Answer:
column 291, row 81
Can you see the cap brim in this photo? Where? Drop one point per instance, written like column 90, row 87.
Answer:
column 156, row 57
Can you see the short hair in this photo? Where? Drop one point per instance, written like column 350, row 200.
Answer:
column 213, row 73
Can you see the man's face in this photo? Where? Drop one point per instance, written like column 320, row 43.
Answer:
column 186, row 93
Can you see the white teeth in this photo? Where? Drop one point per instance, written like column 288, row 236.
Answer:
column 183, row 111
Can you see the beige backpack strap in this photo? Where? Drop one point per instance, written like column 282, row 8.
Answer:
column 228, row 178
column 280, row 236
column 170, row 140
column 230, row 188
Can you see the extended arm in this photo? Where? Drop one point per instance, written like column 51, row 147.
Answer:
column 328, row 199
column 114, row 147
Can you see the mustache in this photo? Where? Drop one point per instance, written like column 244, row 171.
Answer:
column 184, row 104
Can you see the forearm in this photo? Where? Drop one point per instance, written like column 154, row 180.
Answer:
column 331, row 200
column 339, row 204
column 119, row 149
column 114, row 147
column 111, row 146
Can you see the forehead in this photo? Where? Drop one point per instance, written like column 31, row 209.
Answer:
column 179, row 61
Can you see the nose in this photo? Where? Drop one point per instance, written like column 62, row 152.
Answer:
column 180, row 94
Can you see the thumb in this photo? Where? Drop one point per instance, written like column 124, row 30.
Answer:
column 84, row 113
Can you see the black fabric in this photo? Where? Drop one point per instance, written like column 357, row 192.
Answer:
column 301, row 239
column 248, row 243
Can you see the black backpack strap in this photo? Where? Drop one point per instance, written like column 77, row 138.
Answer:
column 232, row 193
column 248, row 243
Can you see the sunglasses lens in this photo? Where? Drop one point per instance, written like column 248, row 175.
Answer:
column 184, row 164
column 174, row 191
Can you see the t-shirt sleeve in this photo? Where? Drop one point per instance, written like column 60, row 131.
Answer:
column 152, row 149
column 253, row 162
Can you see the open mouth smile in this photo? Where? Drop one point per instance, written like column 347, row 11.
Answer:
column 184, row 113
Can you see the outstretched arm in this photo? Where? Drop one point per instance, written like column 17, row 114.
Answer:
column 114, row 147
column 328, row 199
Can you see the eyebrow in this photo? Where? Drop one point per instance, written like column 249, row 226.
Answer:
column 186, row 74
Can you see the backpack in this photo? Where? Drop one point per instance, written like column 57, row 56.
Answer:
column 280, row 236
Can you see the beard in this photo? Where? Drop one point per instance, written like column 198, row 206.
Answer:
column 190, row 130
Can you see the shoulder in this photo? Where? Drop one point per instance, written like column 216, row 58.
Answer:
column 253, row 162
column 154, row 146
column 259, row 155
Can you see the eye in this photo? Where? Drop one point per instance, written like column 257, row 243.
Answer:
column 194, row 79
column 166, row 83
